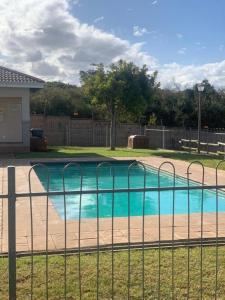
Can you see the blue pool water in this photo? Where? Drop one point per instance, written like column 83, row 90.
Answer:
column 88, row 201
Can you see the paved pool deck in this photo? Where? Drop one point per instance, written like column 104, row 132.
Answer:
column 56, row 226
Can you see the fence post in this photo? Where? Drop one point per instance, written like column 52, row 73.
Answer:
column 163, row 137
column 93, row 132
column 106, row 134
column 12, row 232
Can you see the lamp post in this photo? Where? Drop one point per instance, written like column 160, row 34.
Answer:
column 200, row 88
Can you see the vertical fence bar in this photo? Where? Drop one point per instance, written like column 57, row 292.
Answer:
column 80, row 171
column 97, row 208
column 47, row 229
column 202, row 215
column 65, row 236
column 113, row 207
column 217, row 227
column 12, row 232
column 202, row 233
column 159, row 237
column 32, row 169
column 188, row 246
column 137, row 164
column 79, row 234
column 202, row 227
column 143, row 236
column 173, row 225
column 173, row 234
column 104, row 164
column 129, row 239
column 32, row 238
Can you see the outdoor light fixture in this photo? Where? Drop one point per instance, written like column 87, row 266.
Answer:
column 200, row 88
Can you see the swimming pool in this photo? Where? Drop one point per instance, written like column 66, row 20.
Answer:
column 136, row 199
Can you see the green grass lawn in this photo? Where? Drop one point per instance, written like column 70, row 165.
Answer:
column 88, row 262
column 88, row 275
column 73, row 152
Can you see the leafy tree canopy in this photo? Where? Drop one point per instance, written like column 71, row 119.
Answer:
column 126, row 92
column 59, row 99
column 123, row 89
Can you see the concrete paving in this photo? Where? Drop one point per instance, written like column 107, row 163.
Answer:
column 56, row 240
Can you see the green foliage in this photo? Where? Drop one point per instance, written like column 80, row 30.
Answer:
column 59, row 99
column 123, row 88
column 180, row 108
column 152, row 119
column 128, row 92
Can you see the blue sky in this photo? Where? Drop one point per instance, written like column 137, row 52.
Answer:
column 187, row 32
column 56, row 39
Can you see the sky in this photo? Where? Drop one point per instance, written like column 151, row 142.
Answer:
column 184, row 40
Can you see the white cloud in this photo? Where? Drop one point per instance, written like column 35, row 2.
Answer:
column 99, row 19
column 50, row 42
column 139, row 31
column 179, row 35
column 200, row 46
column 75, row 2
column 154, row 2
column 45, row 69
column 182, row 51
column 174, row 74
column 221, row 47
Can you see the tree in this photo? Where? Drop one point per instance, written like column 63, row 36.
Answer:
column 123, row 88
column 59, row 99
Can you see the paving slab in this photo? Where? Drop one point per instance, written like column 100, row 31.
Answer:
column 34, row 210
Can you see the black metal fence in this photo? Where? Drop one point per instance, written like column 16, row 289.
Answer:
column 162, row 256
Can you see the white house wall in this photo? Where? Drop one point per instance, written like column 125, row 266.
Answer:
column 24, row 95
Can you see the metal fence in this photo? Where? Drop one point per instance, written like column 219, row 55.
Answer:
column 161, row 256
column 170, row 137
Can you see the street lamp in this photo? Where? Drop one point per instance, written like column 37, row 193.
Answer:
column 200, row 88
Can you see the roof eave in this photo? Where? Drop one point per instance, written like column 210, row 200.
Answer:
column 31, row 85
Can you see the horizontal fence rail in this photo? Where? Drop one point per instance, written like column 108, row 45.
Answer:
column 212, row 142
column 121, row 190
column 205, row 147
column 114, row 231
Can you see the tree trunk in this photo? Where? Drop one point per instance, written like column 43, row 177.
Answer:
column 113, row 131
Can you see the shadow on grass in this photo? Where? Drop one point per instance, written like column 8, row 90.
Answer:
column 105, row 154
column 210, row 161
column 55, row 154
column 186, row 156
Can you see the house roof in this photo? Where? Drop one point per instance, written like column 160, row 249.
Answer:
column 12, row 78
